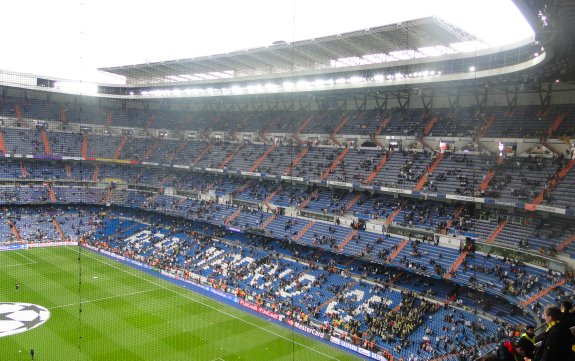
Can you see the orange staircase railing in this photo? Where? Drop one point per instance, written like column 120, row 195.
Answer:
column 205, row 150
column 23, row 170
column 555, row 181
column 397, row 250
column 85, row 146
column 428, row 172
column 15, row 231
column 123, row 141
column 59, row 229
column 483, row 130
column 268, row 221
column 430, row 126
column 108, row 120
column 392, row 216
column 483, row 186
column 230, row 156
column 543, row 293
column 556, row 123
column 149, row 151
column 303, row 231
column 232, row 217
column 262, row 158
column 312, row 196
column 334, row 164
column 341, row 124
column 51, row 193
column 380, row 165
column 347, row 239
column 46, row 142
column 301, row 129
column 352, row 201
column 456, row 264
column 561, row 246
column 2, row 144
column 296, row 161
column 96, row 173
column 496, row 231
column 180, row 148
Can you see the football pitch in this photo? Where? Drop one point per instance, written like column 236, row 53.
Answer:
column 103, row 310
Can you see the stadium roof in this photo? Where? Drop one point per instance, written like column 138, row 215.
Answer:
column 399, row 41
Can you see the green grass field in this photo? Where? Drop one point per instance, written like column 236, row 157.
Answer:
column 131, row 315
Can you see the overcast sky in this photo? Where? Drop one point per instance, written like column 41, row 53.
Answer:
column 71, row 38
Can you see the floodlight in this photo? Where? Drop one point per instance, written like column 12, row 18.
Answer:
column 472, row 68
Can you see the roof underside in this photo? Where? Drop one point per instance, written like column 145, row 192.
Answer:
column 377, row 44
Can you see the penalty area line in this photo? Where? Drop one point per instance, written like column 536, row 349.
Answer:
column 177, row 292
column 101, row 299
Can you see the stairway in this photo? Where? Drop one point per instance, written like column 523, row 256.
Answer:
column 15, row 231
column 18, row 112
column 51, row 193
column 300, row 129
column 232, row 217
column 205, row 150
column 108, row 196
column 96, row 173
column 456, row 264
column 180, row 148
column 543, row 293
column 303, row 231
column 561, row 246
column 123, row 141
column 347, row 239
column 262, row 158
column 296, row 161
column 392, row 216
column 340, row 126
column 430, row 126
column 63, row 117
column 483, row 186
column 149, row 151
column 497, row 230
column 108, row 121
column 380, row 165
column 2, row 144
column 556, row 123
column 312, row 196
column 334, row 164
column 23, row 170
column 59, row 229
column 484, row 129
column 268, row 221
column 428, row 172
column 555, row 181
column 397, row 250
column 85, row 146
column 46, row 142
column 352, row 201
column 230, row 156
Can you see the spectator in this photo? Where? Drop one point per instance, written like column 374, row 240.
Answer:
column 557, row 341
column 515, row 351
column 568, row 314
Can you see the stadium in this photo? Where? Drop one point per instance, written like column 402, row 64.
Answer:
column 399, row 192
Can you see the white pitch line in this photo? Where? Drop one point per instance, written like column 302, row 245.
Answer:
column 28, row 258
column 101, row 299
column 113, row 265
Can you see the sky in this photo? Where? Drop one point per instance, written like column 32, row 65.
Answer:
column 70, row 39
